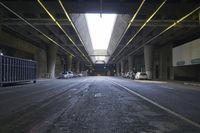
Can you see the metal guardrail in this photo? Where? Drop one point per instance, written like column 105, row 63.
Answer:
column 14, row 70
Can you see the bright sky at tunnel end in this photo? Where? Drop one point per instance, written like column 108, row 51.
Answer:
column 100, row 29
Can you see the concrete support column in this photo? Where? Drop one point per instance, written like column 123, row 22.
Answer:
column 117, row 69
column 41, row 57
column 82, row 67
column 78, row 66
column 130, row 63
column 133, row 64
column 148, row 60
column 161, row 66
column 51, row 60
column 199, row 17
column 1, row 19
column 1, row 14
column 122, row 66
column 69, row 62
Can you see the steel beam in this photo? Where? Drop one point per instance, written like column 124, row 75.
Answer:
column 99, row 55
column 165, row 23
column 118, row 7
column 33, row 21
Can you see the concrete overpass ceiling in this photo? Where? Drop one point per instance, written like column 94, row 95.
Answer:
column 157, row 27
column 80, row 88
column 42, row 18
column 168, row 13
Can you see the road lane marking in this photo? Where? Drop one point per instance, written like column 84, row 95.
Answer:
column 159, row 106
column 166, row 87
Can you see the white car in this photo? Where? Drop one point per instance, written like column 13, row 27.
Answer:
column 141, row 75
column 67, row 74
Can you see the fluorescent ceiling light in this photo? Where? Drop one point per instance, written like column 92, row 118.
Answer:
column 100, row 29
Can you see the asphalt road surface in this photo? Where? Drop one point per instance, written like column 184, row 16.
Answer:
column 99, row 105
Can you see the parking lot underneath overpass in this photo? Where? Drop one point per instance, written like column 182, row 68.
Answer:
column 99, row 104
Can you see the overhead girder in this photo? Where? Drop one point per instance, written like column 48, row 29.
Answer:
column 174, row 23
column 61, row 27
column 111, row 6
column 39, row 24
column 165, row 23
column 34, row 21
column 142, row 27
column 35, row 29
column 23, row 34
column 61, row 38
column 163, row 19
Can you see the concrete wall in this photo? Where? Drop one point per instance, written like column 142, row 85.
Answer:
column 119, row 27
column 15, row 46
column 59, row 65
column 191, row 73
column 41, row 58
column 126, row 65
column 187, row 54
column 80, row 23
column 163, row 68
column 162, row 63
column 138, row 63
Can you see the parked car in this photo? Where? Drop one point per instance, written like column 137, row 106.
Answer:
column 75, row 75
column 141, row 75
column 131, row 75
column 80, row 75
column 126, row 75
column 67, row 74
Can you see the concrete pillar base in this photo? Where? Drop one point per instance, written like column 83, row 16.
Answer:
column 41, row 58
column 149, row 74
column 77, row 66
column 1, row 17
column 122, row 67
column 117, row 69
column 69, row 62
column 52, row 50
column 130, row 63
column 148, row 59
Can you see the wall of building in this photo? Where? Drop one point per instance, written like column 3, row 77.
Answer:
column 186, row 61
column 164, row 58
column 187, row 54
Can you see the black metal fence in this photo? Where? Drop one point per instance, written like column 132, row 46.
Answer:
column 14, row 70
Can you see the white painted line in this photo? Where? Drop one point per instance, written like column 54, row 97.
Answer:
column 166, row 87
column 159, row 106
